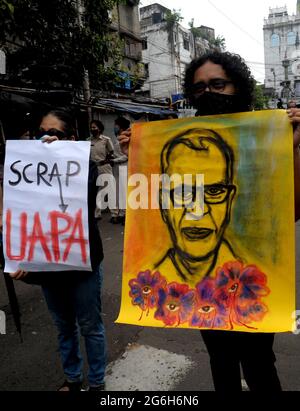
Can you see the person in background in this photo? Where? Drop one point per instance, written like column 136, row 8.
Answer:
column 102, row 153
column 74, row 298
column 280, row 104
column 292, row 104
column 26, row 135
column 220, row 83
column 120, row 170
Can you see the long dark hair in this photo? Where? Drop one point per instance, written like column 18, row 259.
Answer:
column 68, row 122
column 235, row 68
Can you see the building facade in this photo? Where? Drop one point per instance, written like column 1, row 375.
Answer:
column 167, row 50
column 126, row 25
column 282, row 52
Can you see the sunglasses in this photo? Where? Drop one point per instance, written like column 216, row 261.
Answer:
column 52, row 132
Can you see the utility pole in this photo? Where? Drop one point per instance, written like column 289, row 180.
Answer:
column 86, row 78
column 286, row 83
column 274, row 75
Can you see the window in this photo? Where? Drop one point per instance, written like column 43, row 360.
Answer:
column 156, row 18
column 291, row 38
column 275, row 40
column 144, row 44
column 186, row 43
column 127, row 48
column 146, row 70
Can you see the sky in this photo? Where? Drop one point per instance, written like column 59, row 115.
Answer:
column 240, row 22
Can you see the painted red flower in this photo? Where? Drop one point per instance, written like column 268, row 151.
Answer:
column 175, row 304
column 210, row 310
column 243, row 288
column 144, row 288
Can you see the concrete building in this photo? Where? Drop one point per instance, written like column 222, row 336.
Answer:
column 282, row 52
column 126, row 25
column 168, row 49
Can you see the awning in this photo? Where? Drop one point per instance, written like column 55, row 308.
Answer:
column 133, row 108
column 15, row 99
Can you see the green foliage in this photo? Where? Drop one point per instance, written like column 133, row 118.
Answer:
column 6, row 6
column 196, row 31
column 261, row 101
column 173, row 17
column 55, row 47
column 220, row 43
column 6, row 14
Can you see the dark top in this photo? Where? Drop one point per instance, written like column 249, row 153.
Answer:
column 96, row 248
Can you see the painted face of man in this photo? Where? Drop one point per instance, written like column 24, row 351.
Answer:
column 196, row 231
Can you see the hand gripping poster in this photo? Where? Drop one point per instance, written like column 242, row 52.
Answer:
column 209, row 240
column 45, row 225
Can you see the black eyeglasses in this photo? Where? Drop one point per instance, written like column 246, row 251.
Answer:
column 215, row 85
column 183, row 196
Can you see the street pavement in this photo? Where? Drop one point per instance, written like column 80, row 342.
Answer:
column 145, row 359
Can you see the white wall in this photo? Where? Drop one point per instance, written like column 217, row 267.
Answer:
column 275, row 55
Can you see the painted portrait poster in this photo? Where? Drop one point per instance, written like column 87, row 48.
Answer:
column 215, row 250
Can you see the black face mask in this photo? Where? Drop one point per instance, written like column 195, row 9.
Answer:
column 216, row 103
column 94, row 132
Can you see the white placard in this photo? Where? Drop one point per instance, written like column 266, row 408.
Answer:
column 45, row 226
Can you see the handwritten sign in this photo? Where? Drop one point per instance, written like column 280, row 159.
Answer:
column 45, row 206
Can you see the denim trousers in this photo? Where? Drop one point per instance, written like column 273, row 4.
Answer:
column 76, row 305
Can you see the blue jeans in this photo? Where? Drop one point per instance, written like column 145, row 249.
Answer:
column 76, row 304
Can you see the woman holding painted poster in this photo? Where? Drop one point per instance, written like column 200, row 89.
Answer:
column 76, row 301
column 221, row 83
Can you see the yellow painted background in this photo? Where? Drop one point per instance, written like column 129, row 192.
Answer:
column 262, row 221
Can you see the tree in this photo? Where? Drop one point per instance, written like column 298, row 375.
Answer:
column 173, row 17
column 261, row 101
column 196, row 31
column 55, row 46
column 220, row 43
column 6, row 13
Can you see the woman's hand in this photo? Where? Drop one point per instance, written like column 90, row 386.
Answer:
column 49, row 139
column 124, row 140
column 18, row 275
column 294, row 116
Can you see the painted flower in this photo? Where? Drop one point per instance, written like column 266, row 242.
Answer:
column 210, row 310
column 175, row 304
column 144, row 288
column 243, row 288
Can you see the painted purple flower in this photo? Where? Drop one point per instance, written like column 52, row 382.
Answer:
column 243, row 288
column 175, row 304
column 144, row 289
column 210, row 310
